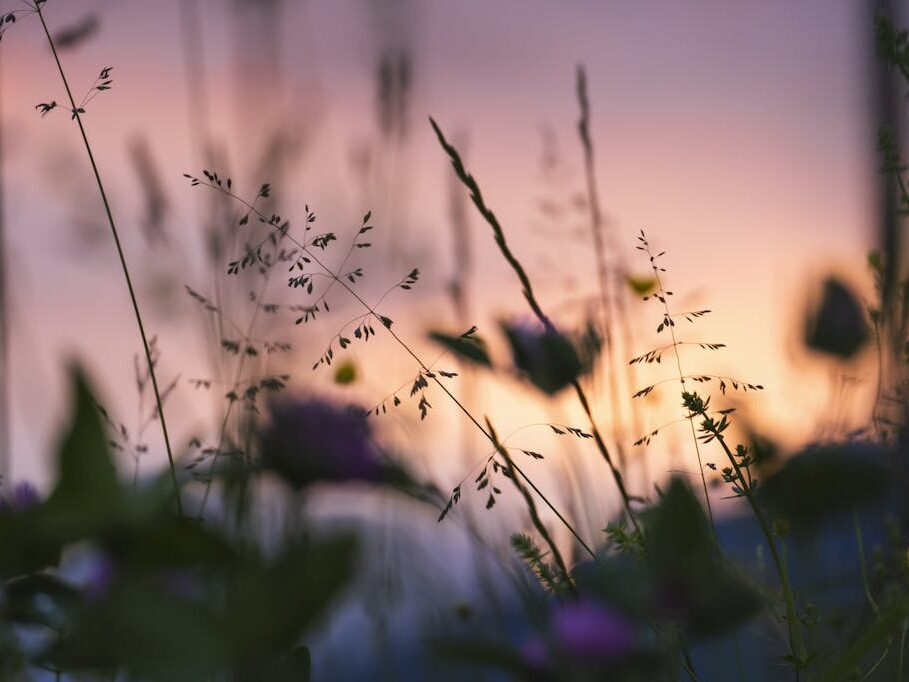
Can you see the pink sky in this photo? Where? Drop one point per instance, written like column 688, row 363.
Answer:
column 737, row 134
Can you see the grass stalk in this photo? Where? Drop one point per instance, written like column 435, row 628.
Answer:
column 602, row 266
column 532, row 509
column 682, row 376
column 487, row 214
column 796, row 641
column 863, row 567
column 126, row 275
column 409, row 350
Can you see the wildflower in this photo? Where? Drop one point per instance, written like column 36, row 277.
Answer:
column 837, row 325
column 583, row 633
column 546, row 356
column 589, row 632
column 313, row 440
column 22, row 497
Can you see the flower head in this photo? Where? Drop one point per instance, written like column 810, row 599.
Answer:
column 314, row 440
column 590, row 632
column 544, row 355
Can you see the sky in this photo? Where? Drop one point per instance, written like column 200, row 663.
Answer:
column 739, row 136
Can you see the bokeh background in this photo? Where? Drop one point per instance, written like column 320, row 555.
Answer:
column 739, row 136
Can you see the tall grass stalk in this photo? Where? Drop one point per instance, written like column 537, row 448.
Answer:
column 532, row 509
column 477, row 197
column 116, row 237
column 608, row 307
column 663, row 296
column 796, row 640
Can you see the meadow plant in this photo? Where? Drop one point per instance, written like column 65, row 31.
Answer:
column 102, row 83
column 166, row 596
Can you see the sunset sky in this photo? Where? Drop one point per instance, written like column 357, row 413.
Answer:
column 739, row 136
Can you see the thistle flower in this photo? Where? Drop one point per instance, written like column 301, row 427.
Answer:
column 312, row 440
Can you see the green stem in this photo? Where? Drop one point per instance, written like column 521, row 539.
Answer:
column 532, row 509
column 499, row 235
column 862, row 563
column 795, row 633
column 602, row 267
column 116, row 236
column 404, row 345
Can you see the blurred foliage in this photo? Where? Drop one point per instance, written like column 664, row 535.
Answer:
column 169, row 598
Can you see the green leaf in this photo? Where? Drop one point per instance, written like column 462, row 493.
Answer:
column 471, row 348
column 827, row 479
column 87, row 478
column 710, row 595
column 274, row 602
column 883, row 628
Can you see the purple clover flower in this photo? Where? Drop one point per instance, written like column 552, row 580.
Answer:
column 312, row 440
column 22, row 497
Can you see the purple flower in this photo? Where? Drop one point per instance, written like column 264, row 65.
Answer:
column 23, row 496
column 313, row 440
column 587, row 632
column 545, row 356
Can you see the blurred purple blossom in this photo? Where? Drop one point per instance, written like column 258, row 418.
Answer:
column 584, row 633
column 23, row 496
column 314, row 440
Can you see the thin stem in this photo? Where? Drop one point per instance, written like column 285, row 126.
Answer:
column 678, row 363
column 477, row 198
column 862, row 564
column 532, row 509
column 116, row 236
column 899, row 667
column 795, row 632
column 409, row 351
column 599, row 249
column 223, row 433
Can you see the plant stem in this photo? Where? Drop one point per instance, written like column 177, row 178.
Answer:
column 532, row 509
column 862, row 564
column 602, row 268
column 126, row 275
column 499, row 235
column 404, row 345
column 678, row 363
column 795, row 632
